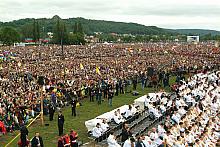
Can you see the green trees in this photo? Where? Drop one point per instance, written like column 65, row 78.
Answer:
column 9, row 35
column 26, row 31
column 36, row 31
column 60, row 33
column 77, row 37
column 31, row 30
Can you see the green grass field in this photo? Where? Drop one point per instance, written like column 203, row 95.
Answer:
column 87, row 111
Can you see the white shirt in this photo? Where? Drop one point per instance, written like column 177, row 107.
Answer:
column 96, row 132
column 146, row 102
column 161, row 130
column 104, row 127
column 133, row 110
column 175, row 118
column 169, row 103
column 153, row 135
column 162, row 108
column 182, row 111
column 128, row 113
column 155, row 112
column 178, row 104
column 117, row 119
column 128, row 143
column 112, row 142
column 190, row 138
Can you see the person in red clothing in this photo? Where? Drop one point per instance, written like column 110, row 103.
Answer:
column 66, row 140
column 2, row 128
column 60, row 142
column 73, row 138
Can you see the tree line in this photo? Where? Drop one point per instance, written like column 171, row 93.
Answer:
column 10, row 35
column 73, row 30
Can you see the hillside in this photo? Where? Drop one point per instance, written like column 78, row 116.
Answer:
column 90, row 26
column 200, row 32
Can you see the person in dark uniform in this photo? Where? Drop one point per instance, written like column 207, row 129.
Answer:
column 134, row 81
column 24, row 133
column 116, row 88
column 73, row 104
column 91, row 99
column 37, row 141
column 98, row 94
column 139, row 142
column 121, row 86
column 51, row 111
column 60, row 142
column 60, row 123
column 126, row 133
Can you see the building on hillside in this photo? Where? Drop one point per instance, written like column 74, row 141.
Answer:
column 91, row 39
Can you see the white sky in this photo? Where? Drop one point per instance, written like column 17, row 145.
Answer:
column 195, row 14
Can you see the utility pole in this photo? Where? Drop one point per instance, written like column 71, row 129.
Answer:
column 42, row 105
column 61, row 42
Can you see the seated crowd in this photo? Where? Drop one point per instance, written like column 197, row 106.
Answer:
column 192, row 117
column 117, row 118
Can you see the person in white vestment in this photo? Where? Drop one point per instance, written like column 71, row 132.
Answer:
column 97, row 131
column 112, row 141
column 104, row 125
column 130, row 142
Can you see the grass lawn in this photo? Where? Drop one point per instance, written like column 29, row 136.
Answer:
column 87, row 111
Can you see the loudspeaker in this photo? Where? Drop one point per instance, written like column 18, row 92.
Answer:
column 40, row 80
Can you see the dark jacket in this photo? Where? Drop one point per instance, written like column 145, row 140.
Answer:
column 60, row 120
column 125, row 135
column 73, row 103
column 35, row 141
column 24, row 131
column 140, row 144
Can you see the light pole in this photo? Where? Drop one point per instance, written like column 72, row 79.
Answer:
column 62, row 49
column 42, row 105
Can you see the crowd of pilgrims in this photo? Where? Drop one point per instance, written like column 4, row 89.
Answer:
column 191, row 117
column 96, row 70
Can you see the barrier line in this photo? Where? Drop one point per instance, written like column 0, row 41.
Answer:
column 19, row 133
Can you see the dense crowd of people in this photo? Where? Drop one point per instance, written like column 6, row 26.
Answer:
column 192, row 116
column 95, row 70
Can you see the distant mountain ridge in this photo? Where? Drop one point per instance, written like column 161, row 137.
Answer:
column 90, row 26
column 197, row 32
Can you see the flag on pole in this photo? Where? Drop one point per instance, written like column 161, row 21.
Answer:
column 81, row 66
column 97, row 70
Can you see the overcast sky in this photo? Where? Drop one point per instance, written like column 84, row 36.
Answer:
column 198, row 14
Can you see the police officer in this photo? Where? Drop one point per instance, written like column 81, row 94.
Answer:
column 60, row 123
column 51, row 111
column 73, row 104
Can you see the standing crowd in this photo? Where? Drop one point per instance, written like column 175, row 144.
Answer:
column 96, row 71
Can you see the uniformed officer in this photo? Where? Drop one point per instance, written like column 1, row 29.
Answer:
column 60, row 123
column 73, row 104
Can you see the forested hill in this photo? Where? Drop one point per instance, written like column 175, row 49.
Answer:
column 89, row 26
column 200, row 32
